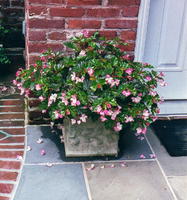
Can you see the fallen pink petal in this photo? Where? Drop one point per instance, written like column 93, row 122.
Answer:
column 43, row 152
column 152, row 155
column 141, row 138
column 49, row 164
column 123, row 164
column 103, row 167
column 39, row 141
column 29, row 148
column 142, row 156
column 91, row 167
column 112, row 166
column 19, row 157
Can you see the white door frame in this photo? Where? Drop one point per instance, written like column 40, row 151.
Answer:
column 179, row 108
column 142, row 30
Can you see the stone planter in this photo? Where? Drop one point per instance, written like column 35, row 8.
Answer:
column 89, row 139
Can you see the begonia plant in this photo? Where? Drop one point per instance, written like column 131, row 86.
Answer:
column 96, row 79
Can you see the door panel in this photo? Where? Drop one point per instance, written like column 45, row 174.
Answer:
column 166, row 45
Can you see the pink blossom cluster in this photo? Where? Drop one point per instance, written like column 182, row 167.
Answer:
column 111, row 81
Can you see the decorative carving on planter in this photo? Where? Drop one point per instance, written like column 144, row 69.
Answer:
column 89, row 139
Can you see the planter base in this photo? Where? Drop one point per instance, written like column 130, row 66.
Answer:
column 89, row 139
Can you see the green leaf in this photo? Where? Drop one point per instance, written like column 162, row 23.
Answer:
column 82, row 97
column 98, row 72
column 108, row 124
column 114, row 61
column 108, row 71
column 43, row 105
column 70, row 45
column 39, row 62
column 96, row 103
column 93, row 86
column 32, row 86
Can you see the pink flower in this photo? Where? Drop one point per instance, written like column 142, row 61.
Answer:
column 109, row 79
column 103, row 118
column 44, row 111
column 139, row 130
column 98, row 109
column 83, row 118
column 78, row 102
column 117, row 81
column 90, row 71
column 129, row 119
column 73, row 100
column 129, row 71
column 73, row 121
column 126, row 93
column 85, row 33
column 161, row 74
column 153, row 93
column 145, row 114
column 82, row 53
column 18, row 73
column 163, row 83
column 108, row 105
column 14, row 82
column 136, row 99
column 126, row 57
column 79, row 122
column 38, row 87
column 73, row 76
column 41, row 98
column 144, row 130
column 118, row 127
column 148, row 78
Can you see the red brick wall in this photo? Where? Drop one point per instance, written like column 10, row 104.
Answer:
column 51, row 22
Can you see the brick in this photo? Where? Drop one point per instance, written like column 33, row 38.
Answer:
column 33, row 102
column 17, row 3
column 12, row 139
column 8, row 176
column 11, row 146
column 6, row 188
column 12, row 109
column 128, row 35
column 105, row 12
column 11, row 123
column 37, row 48
column 107, row 34
column 10, row 164
column 4, row 2
column 38, row 1
column 118, row 23
column 12, row 116
column 56, row 2
column 4, row 198
column 11, row 11
column 44, row 23
column 123, row 2
column 67, row 12
column 37, row 10
column 14, row 131
column 12, row 102
column 37, row 36
column 10, row 154
column 57, row 36
column 92, row 24
column 33, row 58
column 84, row 2
column 37, row 114
column 131, row 11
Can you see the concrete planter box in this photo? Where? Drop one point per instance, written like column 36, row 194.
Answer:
column 89, row 139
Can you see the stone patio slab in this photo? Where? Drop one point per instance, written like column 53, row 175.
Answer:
column 39, row 182
column 138, row 180
column 179, row 186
